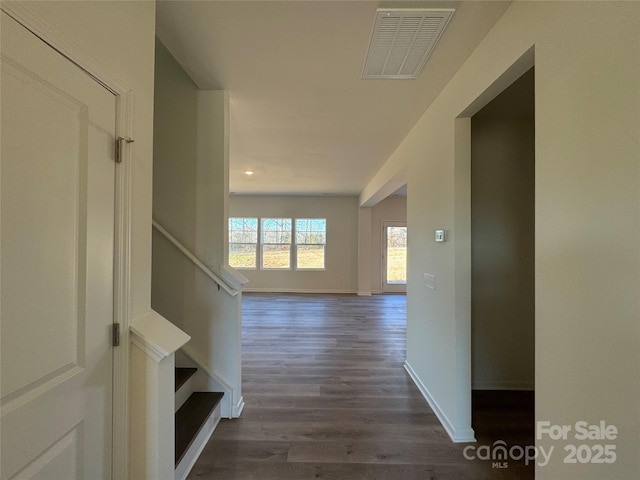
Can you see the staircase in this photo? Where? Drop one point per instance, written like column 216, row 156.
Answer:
column 196, row 417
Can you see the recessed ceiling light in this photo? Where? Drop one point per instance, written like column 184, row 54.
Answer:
column 249, row 172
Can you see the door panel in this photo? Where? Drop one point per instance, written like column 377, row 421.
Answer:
column 36, row 228
column 57, row 220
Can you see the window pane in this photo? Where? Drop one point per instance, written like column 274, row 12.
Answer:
column 243, row 237
column 396, row 255
column 244, row 226
column 311, row 231
column 243, row 242
column 243, row 230
column 311, row 237
column 276, row 230
column 310, row 256
column 242, row 255
column 276, row 256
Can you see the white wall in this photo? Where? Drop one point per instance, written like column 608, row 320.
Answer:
column 341, row 253
column 175, row 149
column 390, row 209
column 364, row 251
column 587, row 225
column 190, row 172
column 502, row 241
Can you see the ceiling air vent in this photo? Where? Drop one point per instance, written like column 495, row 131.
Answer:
column 402, row 41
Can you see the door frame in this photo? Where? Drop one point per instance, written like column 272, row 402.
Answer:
column 122, row 221
column 384, row 287
column 463, row 430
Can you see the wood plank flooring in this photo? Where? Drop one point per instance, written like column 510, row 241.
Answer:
column 327, row 397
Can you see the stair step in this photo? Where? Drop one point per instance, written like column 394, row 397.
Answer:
column 182, row 375
column 190, row 418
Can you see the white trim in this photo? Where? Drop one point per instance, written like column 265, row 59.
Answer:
column 300, row 290
column 215, row 382
column 238, row 408
column 364, row 294
column 457, row 435
column 236, row 279
column 188, row 351
column 157, row 336
column 229, row 410
column 20, row 12
column 122, row 291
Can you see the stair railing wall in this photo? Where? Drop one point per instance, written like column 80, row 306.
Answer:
column 204, row 305
column 220, row 283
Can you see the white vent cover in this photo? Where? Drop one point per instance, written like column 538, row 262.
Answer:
column 402, row 41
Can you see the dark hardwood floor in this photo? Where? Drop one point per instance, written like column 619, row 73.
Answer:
column 327, row 397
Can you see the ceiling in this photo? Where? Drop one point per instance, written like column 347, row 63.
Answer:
column 301, row 117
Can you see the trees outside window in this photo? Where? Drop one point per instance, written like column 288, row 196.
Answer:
column 276, row 243
column 243, row 242
column 311, row 239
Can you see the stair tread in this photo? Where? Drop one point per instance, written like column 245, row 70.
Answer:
column 182, row 375
column 190, row 418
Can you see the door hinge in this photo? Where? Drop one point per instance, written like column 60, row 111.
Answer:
column 116, row 334
column 119, row 142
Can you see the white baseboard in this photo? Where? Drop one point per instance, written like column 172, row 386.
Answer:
column 457, row 434
column 299, row 290
column 364, row 294
column 237, row 409
column 519, row 386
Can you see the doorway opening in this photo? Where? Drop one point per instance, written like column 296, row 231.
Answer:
column 394, row 257
column 502, row 266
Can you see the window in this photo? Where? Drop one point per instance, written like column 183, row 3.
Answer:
column 311, row 238
column 243, row 242
column 276, row 238
column 276, row 243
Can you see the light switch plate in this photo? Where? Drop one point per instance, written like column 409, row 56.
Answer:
column 430, row 281
column 441, row 235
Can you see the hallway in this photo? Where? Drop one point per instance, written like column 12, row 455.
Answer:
column 327, row 397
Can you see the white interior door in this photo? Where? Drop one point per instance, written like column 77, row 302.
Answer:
column 394, row 257
column 57, row 219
